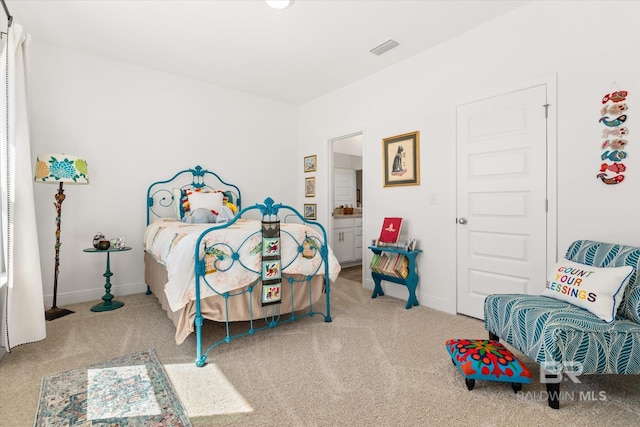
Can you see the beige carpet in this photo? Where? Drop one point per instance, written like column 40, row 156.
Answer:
column 376, row 364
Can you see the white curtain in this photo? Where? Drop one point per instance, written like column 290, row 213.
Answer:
column 23, row 311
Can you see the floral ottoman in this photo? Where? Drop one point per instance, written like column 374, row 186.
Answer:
column 487, row 360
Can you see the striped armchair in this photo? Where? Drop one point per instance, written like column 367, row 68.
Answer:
column 565, row 339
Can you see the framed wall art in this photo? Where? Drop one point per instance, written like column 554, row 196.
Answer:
column 401, row 159
column 310, row 163
column 310, row 187
column 310, row 211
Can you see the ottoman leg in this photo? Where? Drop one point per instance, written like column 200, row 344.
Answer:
column 471, row 383
column 516, row 387
column 494, row 337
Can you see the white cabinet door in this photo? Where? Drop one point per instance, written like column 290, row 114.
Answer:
column 343, row 244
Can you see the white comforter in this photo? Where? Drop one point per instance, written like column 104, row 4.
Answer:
column 172, row 243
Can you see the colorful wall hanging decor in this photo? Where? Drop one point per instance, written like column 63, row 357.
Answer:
column 613, row 115
column 271, row 267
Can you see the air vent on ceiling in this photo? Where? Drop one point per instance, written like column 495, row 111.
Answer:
column 384, row 47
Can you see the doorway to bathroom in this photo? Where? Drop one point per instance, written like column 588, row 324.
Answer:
column 347, row 199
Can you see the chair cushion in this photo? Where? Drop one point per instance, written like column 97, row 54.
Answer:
column 487, row 360
column 551, row 332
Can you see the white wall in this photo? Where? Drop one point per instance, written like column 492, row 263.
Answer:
column 570, row 40
column 347, row 161
column 136, row 126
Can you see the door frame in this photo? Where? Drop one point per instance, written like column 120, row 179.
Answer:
column 552, row 163
column 330, row 143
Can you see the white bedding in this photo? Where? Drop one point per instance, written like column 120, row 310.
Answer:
column 172, row 243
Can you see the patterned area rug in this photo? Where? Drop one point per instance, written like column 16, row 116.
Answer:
column 129, row 391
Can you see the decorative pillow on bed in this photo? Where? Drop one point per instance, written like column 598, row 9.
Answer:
column 598, row 290
column 200, row 216
column 203, row 216
column 234, row 208
column 212, row 201
column 185, row 198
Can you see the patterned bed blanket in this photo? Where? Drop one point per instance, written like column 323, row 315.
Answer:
column 172, row 243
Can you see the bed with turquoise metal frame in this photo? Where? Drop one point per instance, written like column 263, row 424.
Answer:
column 265, row 266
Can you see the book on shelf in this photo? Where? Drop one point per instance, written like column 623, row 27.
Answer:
column 390, row 264
column 388, row 267
column 375, row 261
column 390, row 232
column 396, row 265
column 384, row 258
column 378, row 261
column 402, row 268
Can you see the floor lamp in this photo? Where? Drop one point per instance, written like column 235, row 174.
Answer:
column 59, row 169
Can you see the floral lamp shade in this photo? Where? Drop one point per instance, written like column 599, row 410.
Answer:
column 56, row 168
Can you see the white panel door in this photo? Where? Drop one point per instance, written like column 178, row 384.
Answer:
column 344, row 187
column 501, row 197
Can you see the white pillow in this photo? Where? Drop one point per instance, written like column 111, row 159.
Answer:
column 209, row 201
column 598, row 290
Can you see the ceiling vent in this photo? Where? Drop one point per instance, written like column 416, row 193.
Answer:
column 384, row 47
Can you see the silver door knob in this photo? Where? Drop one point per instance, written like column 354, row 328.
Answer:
column 462, row 221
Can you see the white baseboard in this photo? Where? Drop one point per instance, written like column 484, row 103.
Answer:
column 96, row 294
column 436, row 303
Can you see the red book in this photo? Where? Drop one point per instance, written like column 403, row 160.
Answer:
column 390, row 230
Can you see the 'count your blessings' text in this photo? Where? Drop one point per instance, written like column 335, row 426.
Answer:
column 567, row 282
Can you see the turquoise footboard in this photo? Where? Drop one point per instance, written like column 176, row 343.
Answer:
column 273, row 263
column 310, row 248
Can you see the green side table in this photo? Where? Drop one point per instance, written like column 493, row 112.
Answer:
column 108, row 304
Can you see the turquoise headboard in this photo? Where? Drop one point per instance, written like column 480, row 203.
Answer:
column 162, row 203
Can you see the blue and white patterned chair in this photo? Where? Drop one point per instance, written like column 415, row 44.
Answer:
column 561, row 337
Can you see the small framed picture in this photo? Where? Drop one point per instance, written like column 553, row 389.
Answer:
column 310, row 163
column 310, row 211
column 310, row 187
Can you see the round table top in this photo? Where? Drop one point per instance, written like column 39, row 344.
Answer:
column 126, row 248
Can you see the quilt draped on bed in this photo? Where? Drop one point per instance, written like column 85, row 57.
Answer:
column 172, row 243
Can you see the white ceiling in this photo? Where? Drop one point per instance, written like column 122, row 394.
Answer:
column 292, row 55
